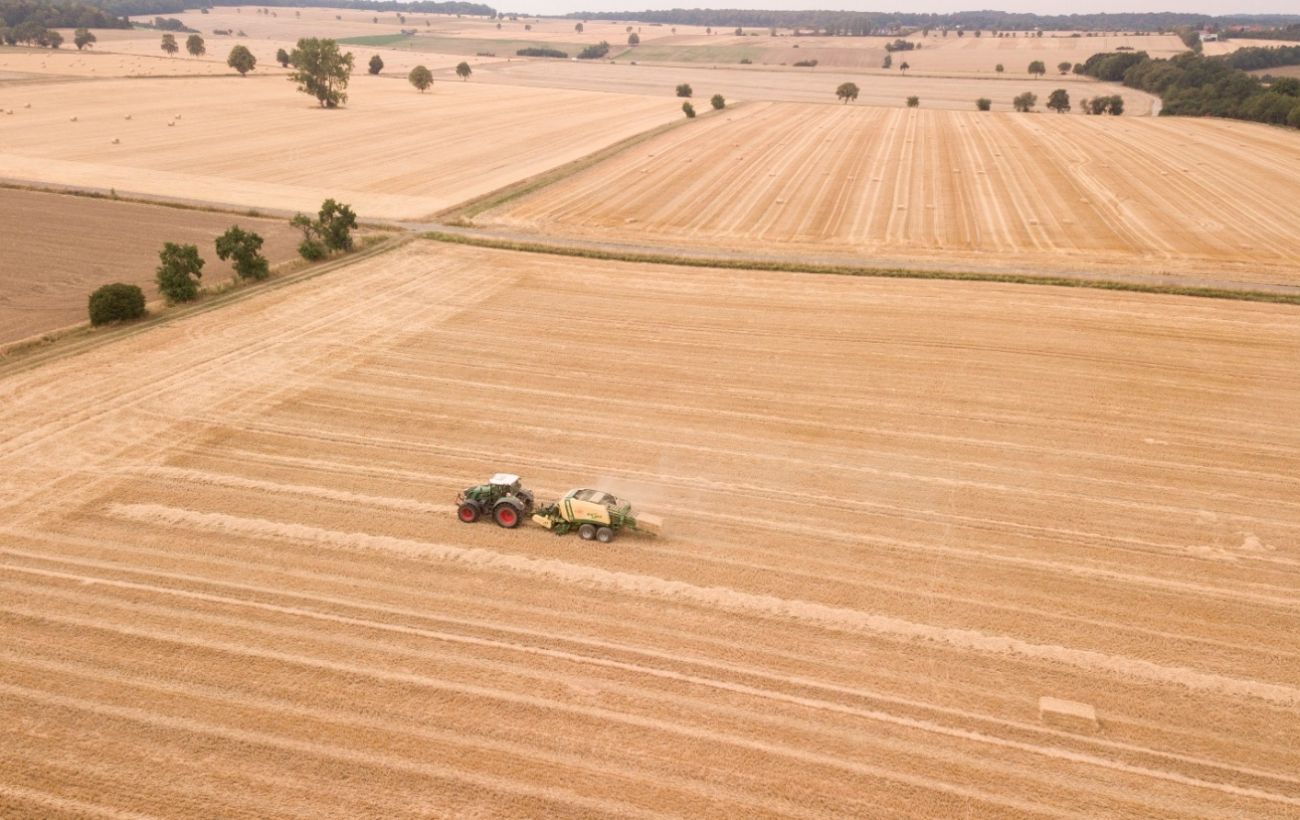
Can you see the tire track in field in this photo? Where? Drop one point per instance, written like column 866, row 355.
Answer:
column 744, row 603
column 384, row 623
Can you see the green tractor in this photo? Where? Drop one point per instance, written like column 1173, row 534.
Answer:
column 502, row 497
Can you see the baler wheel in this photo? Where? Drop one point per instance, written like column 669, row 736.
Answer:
column 604, row 535
column 587, row 532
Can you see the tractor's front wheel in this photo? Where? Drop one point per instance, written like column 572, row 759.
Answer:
column 468, row 512
column 506, row 516
column 604, row 535
column 587, row 532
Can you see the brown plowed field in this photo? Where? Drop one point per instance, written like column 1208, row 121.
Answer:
column 899, row 514
column 256, row 142
column 60, row 248
column 1037, row 193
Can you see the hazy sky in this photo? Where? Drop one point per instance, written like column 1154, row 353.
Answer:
column 938, row 6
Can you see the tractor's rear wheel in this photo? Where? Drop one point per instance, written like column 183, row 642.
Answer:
column 506, row 516
column 604, row 535
column 587, row 532
column 468, row 512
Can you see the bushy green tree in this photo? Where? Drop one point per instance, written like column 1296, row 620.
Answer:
column 463, row 70
column 331, row 230
column 194, row 45
column 1064, row 66
column 376, row 64
column 169, row 44
column 984, row 104
column 420, row 77
column 83, row 37
column 904, row 66
column 1000, row 68
column 847, row 91
column 179, row 271
column 688, row 110
column 242, row 247
column 321, row 70
column 718, row 102
column 888, row 62
column 1037, row 68
column 913, row 102
column 634, row 39
column 1059, row 101
column 282, row 57
column 118, row 302
column 684, row 90
column 241, row 60
column 53, row 39
column 1025, row 102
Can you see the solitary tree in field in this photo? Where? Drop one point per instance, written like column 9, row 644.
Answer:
column 633, row 39
column 463, row 70
column 847, row 92
column 179, row 271
column 169, row 44
column 983, row 103
column 321, row 71
column 376, row 64
column 243, row 247
column 684, row 90
column 688, row 110
column 1000, row 68
column 1059, row 101
column 330, row 231
column 1037, row 68
column 282, row 57
column 83, row 37
column 913, row 102
column 888, row 62
column 1025, row 102
column 718, row 102
column 194, row 45
column 1064, row 66
column 241, row 60
column 577, row 27
column 420, row 77
column 903, row 66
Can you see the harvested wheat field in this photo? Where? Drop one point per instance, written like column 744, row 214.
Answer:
column 936, row 54
column 748, row 83
column 256, row 142
column 932, row 548
column 1038, row 193
column 47, row 273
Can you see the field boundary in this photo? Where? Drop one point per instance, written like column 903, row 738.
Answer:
column 460, row 214
column 696, row 261
column 25, row 354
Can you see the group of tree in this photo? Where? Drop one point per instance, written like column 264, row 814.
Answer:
column 49, row 15
column 537, row 51
column 138, row 7
column 1192, row 84
column 594, row 52
column 31, row 33
column 1112, row 104
column 850, row 23
column 901, row 45
column 1255, row 57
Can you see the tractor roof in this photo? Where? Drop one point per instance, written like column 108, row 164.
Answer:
column 503, row 478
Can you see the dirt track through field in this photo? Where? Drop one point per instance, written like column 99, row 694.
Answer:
column 899, row 514
column 1037, row 194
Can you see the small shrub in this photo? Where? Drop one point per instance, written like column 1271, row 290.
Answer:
column 312, row 250
column 718, row 102
column 805, row 63
column 1025, row 102
column 688, row 110
column 684, row 90
column 747, row 61
column 116, row 303
column 984, row 104
column 376, row 64
column 913, row 102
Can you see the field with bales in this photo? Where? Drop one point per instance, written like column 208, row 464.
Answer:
column 909, row 563
column 973, row 431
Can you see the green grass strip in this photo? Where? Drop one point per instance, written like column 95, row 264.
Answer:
column 850, row 270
